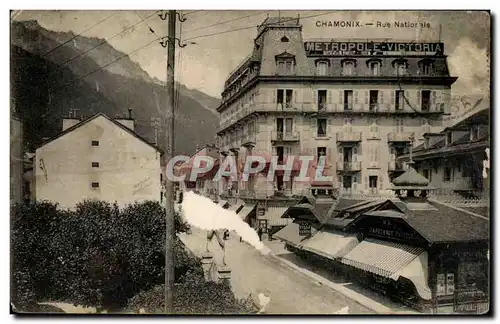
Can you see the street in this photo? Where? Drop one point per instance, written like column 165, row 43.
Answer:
column 291, row 292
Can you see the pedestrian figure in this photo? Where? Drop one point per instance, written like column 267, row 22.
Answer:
column 260, row 233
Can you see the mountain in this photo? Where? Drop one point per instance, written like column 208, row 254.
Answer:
column 45, row 89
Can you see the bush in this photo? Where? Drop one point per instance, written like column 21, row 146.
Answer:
column 193, row 295
column 101, row 256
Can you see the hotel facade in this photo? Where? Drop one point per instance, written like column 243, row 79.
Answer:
column 360, row 103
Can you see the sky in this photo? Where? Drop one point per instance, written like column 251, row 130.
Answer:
column 225, row 38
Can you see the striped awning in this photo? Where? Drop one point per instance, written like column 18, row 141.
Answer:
column 273, row 216
column 237, row 205
column 330, row 244
column 417, row 272
column 246, row 210
column 382, row 258
column 223, row 203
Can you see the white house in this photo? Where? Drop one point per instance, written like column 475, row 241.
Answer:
column 97, row 158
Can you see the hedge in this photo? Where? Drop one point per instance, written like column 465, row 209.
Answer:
column 100, row 256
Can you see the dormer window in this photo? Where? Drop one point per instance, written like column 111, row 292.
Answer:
column 424, row 68
column 321, row 68
column 374, row 67
column 474, row 133
column 448, row 138
column 426, row 143
column 285, row 63
column 348, row 67
column 400, row 66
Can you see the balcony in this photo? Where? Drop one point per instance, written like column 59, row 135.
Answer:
column 399, row 137
column 348, row 107
column 396, row 166
column 349, row 137
column 353, row 166
column 285, row 136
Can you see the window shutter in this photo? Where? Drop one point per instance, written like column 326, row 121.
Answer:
column 354, row 154
column 313, row 122
column 433, row 98
column 330, row 122
column 381, row 93
column 366, row 97
column 418, row 98
column 356, row 99
column 359, row 149
column 380, row 182
column 329, row 154
column 329, row 96
column 393, row 97
column 341, row 97
column 366, row 182
column 295, row 96
column 341, row 150
column 274, row 94
column 314, row 98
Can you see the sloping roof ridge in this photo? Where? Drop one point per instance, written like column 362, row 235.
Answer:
column 458, row 208
column 99, row 114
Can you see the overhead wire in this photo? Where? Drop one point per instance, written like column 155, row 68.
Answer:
column 79, row 34
column 226, row 21
column 253, row 26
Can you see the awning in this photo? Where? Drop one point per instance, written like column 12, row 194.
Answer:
column 382, row 258
column 236, row 207
column 417, row 272
column 290, row 234
column 246, row 210
column 330, row 244
column 273, row 216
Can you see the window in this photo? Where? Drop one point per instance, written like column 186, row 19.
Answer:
column 474, row 133
column 322, row 95
column 95, row 184
column 400, row 68
column 400, row 125
column 348, row 68
column 95, row 164
column 400, row 99
column 285, row 98
column 449, row 138
column 321, row 127
column 288, row 126
column 425, row 68
column 426, row 142
column 321, row 152
column 426, row 100
column 321, row 68
column 374, row 68
column 373, row 100
column 348, row 94
column 447, row 174
column 284, row 39
column 95, row 143
column 285, row 67
column 373, row 182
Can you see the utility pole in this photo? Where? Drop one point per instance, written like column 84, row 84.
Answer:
column 169, row 190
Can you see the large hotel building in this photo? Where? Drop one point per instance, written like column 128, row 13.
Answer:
column 361, row 103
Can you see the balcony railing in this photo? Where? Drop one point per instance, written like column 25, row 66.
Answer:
column 349, row 166
column 349, row 137
column 399, row 137
column 285, row 136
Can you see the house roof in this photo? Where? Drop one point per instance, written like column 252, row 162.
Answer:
column 441, row 223
column 410, row 178
column 125, row 128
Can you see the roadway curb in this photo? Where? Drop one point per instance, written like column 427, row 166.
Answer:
column 360, row 299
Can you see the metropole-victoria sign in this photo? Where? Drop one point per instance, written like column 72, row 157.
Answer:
column 367, row 48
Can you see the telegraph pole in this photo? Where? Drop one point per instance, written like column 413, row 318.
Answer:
column 169, row 190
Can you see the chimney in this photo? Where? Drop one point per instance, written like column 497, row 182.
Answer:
column 71, row 120
column 127, row 121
